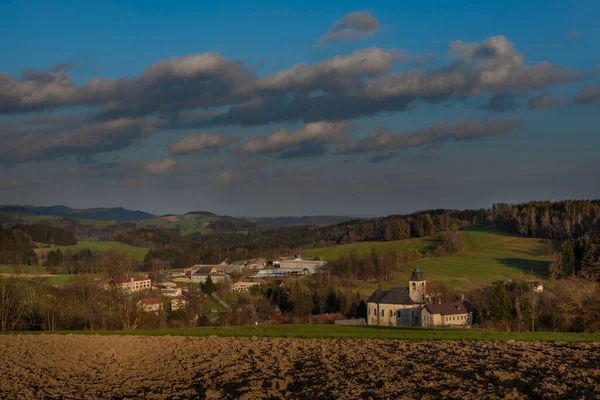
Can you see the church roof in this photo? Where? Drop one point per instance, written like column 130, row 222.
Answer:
column 396, row 295
column 417, row 275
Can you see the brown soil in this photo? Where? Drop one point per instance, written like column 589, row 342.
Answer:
column 74, row 367
column 171, row 218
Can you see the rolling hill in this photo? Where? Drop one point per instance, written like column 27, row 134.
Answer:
column 489, row 255
column 137, row 253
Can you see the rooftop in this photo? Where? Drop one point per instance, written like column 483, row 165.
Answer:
column 450, row 308
column 417, row 275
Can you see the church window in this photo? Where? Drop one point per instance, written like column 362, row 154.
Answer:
column 369, row 311
column 390, row 313
column 383, row 313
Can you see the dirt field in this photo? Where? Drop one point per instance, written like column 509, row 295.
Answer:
column 73, row 366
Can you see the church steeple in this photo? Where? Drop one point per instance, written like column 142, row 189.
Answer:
column 416, row 286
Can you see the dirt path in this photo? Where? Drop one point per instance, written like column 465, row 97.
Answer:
column 74, row 367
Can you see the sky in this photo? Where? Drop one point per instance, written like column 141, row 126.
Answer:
column 273, row 108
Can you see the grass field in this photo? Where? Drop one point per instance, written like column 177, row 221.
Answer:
column 137, row 253
column 489, row 255
column 329, row 331
column 187, row 223
column 334, row 252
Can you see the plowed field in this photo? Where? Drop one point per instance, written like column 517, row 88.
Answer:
column 166, row 367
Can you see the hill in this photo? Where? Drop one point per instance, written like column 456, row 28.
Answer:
column 112, row 213
column 282, row 222
column 489, row 255
column 137, row 253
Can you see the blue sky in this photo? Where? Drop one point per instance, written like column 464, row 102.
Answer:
column 267, row 108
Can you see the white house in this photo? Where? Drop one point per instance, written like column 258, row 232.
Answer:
column 178, row 303
column 151, row 304
column 136, row 284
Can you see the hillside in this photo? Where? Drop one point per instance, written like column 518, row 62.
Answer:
column 137, row 253
column 489, row 255
column 110, row 213
column 282, row 222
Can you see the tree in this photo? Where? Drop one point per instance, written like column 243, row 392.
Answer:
column 428, row 227
column 500, row 308
column 209, row 287
column 11, row 306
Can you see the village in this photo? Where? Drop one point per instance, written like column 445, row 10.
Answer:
column 415, row 305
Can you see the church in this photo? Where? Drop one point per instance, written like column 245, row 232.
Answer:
column 411, row 306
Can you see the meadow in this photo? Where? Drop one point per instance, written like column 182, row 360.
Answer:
column 489, row 255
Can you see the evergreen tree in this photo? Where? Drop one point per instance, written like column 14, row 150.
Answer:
column 209, row 287
column 500, row 308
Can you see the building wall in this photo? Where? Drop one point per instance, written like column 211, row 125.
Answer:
column 214, row 278
column 393, row 314
column 416, row 291
column 438, row 320
column 300, row 264
column 137, row 286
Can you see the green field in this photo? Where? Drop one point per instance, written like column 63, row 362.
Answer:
column 137, row 253
column 334, row 252
column 489, row 255
column 187, row 224
column 330, row 331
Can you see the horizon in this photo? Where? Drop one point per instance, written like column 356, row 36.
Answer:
column 418, row 211
column 348, row 111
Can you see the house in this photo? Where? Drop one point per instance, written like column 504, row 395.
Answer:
column 136, row 284
column 450, row 314
column 178, row 303
column 242, row 286
column 398, row 306
column 171, row 292
column 151, row 304
column 214, row 277
column 257, row 263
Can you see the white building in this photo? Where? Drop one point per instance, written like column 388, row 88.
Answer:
column 178, row 303
column 171, row 292
column 152, row 304
column 298, row 263
column 215, row 278
column 136, row 284
column 242, row 286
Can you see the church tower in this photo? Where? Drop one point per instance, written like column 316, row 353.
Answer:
column 416, row 286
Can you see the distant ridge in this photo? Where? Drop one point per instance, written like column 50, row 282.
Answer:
column 106, row 214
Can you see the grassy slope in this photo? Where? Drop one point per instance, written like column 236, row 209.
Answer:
column 354, row 332
column 334, row 252
column 137, row 253
column 489, row 255
column 187, row 224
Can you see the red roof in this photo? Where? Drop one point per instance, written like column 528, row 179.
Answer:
column 151, row 301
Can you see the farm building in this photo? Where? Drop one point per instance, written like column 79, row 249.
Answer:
column 454, row 314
